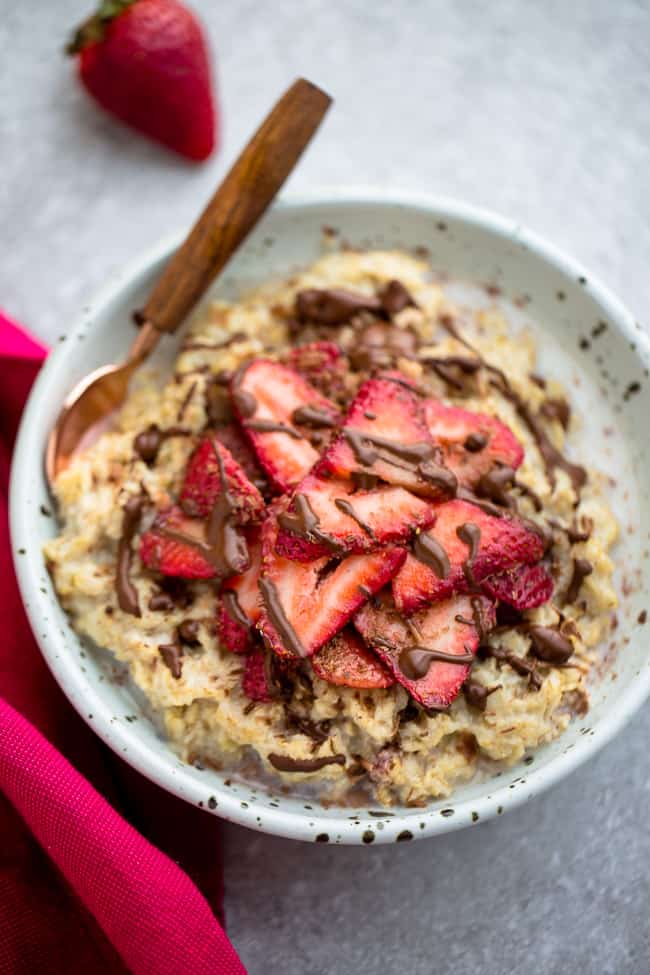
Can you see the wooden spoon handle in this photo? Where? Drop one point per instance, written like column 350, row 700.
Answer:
column 238, row 203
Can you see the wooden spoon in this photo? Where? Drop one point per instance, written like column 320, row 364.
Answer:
column 231, row 214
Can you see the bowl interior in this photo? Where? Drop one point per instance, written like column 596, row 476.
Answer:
column 586, row 339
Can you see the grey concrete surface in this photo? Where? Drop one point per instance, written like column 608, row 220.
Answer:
column 539, row 110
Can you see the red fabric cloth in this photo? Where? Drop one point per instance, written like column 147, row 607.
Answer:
column 100, row 870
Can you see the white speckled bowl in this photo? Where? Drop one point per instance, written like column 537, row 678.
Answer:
column 597, row 365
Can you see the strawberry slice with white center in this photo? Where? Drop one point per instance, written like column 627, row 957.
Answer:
column 305, row 604
column 190, row 548
column 328, row 517
column 464, row 546
column 386, row 436
column 211, row 470
column 472, row 443
column 347, row 662
column 524, row 587
column 279, row 412
column 420, row 650
column 240, row 603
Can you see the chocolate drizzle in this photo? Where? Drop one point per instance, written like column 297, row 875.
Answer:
column 172, row 655
column 311, row 416
column 494, row 485
column 148, row 442
column 304, row 523
column 394, row 298
column 285, row 764
column 344, row 505
column 521, row 666
column 549, row 645
column 418, row 458
column 232, row 606
column 333, row 306
column 475, row 443
column 581, row 569
column 278, row 618
column 127, row 594
column 476, row 694
column 428, row 550
column 226, row 546
column 270, row 426
column 215, row 346
column 450, row 368
column 414, row 662
column 470, row 534
column 244, row 402
column 556, row 409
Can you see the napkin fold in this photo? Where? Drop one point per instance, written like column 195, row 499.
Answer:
column 100, row 870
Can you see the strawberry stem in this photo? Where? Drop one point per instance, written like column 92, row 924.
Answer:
column 93, row 29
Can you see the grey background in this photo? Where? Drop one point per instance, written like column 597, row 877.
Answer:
column 539, row 110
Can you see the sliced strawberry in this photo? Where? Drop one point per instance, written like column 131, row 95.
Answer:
column 384, row 434
column 232, row 437
column 524, row 587
column 502, row 543
column 328, row 517
column 239, row 603
column 176, row 545
column 256, row 683
column 454, row 626
column 321, row 364
column 210, row 470
column 279, row 411
column 472, row 443
column 306, row 604
column 346, row 661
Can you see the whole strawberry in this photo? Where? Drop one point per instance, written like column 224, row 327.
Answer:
column 146, row 62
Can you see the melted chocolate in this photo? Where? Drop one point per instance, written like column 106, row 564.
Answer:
column 470, row 534
column 575, row 534
column 161, row 602
column 364, row 481
column 476, row 694
column 414, row 662
column 244, row 402
column 147, row 443
column 172, row 655
column 334, row 306
column 304, row 523
column 428, row 550
column 380, row 344
column 475, row 443
column 556, row 409
column 394, row 298
column 270, row 426
column 188, row 632
column 581, row 569
column 450, row 368
column 494, row 485
column 186, row 402
column 285, row 764
column 278, row 618
column 318, row 731
column 521, row 666
column 311, row 416
column 419, row 458
column 344, row 505
column 233, row 608
column 549, row 645
column 127, row 594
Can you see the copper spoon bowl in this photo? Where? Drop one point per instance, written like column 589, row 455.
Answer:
column 231, row 214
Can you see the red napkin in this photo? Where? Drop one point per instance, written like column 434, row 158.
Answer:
column 100, row 870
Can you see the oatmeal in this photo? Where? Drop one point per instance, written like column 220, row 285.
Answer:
column 344, row 542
